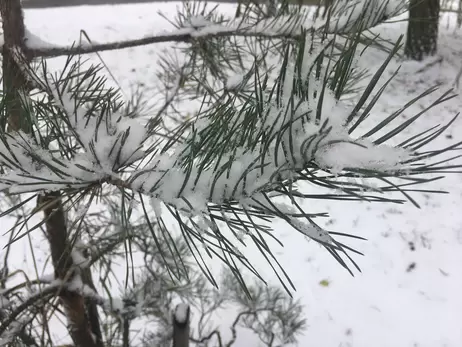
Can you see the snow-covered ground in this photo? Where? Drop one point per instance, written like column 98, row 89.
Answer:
column 409, row 291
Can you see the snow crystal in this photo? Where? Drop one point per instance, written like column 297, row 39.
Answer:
column 114, row 305
column 181, row 313
column 14, row 328
column 347, row 13
column 26, row 174
column 211, row 30
column 130, row 305
column 167, row 181
column 75, row 284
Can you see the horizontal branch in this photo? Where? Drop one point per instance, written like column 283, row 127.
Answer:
column 50, row 52
column 284, row 27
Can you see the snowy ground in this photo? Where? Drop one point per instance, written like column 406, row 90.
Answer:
column 409, row 291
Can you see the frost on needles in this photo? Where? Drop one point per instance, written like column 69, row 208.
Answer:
column 263, row 126
column 239, row 154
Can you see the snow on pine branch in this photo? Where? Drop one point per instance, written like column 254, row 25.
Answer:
column 19, row 307
column 179, row 177
column 348, row 14
column 112, row 139
column 243, row 173
column 108, row 139
column 31, row 168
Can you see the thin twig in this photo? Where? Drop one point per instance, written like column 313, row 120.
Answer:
column 43, row 295
column 208, row 337
column 236, row 321
column 56, row 288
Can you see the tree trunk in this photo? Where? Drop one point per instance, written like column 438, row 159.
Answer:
column 14, row 83
column 422, row 29
column 181, row 326
column 459, row 14
column 84, row 323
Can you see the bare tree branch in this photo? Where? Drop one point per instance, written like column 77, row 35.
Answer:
column 48, row 52
column 208, row 337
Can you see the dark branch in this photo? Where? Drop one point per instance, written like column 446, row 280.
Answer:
column 75, row 306
column 86, row 49
column 208, row 337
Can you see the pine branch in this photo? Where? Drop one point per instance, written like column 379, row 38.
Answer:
column 37, row 299
column 292, row 138
column 233, row 161
column 27, row 339
column 43, row 295
column 347, row 19
column 15, row 84
column 203, row 340
column 188, row 37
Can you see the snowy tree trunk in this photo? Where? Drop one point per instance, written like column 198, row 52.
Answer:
column 181, row 326
column 422, row 31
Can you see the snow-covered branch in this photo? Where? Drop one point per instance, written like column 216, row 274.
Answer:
column 33, row 299
column 347, row 16
column 60, row 287
column 287, row 140
column 180, row 36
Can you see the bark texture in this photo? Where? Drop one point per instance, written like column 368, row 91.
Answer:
column 422, row 30
column 13, row 80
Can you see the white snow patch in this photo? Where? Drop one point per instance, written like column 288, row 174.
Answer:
column 361, row 154
column 235, row 81
column 35, row 42
column 181, row 313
